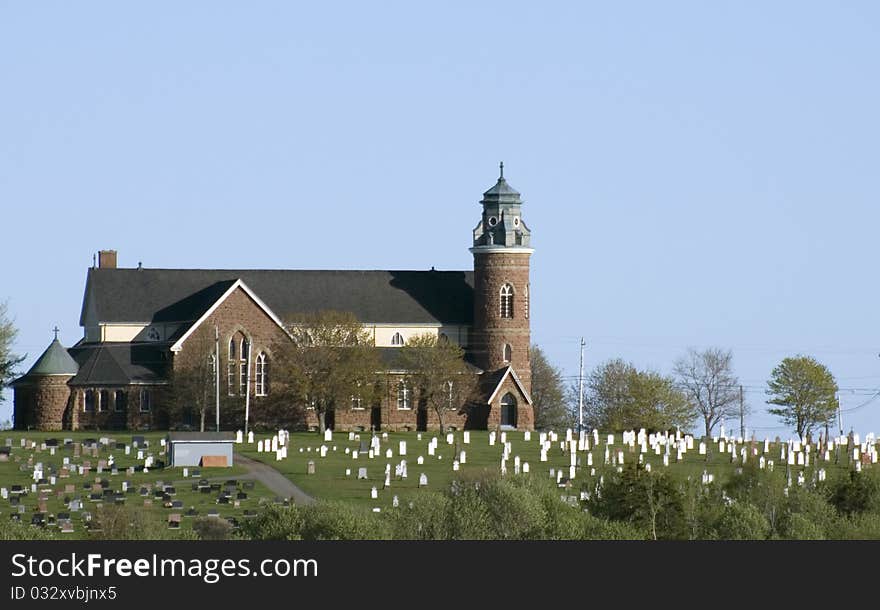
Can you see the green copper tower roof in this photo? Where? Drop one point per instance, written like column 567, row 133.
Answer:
column 54, row 361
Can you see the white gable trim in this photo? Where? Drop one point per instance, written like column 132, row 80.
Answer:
column 178, row 345
column 516, row 380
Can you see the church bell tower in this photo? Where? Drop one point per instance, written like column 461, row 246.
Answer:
column 501, row 334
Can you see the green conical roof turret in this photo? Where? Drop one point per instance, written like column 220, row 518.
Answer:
column 54, row 361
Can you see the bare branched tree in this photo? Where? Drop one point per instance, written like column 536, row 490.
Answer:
column 707, row 379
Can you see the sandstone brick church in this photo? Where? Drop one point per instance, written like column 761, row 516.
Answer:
column 137, row 323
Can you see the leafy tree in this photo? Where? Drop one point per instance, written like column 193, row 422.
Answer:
column 709, row 383
column 650, row 501
column 8, row 361
column 548, row 393
column 191, row 390
column 857, row 493
column 620, row 397
column 330, row 360
column 805, row 392
column 438, row 371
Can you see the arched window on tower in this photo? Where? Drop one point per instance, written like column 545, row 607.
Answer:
column 507, row 353
column 507, row 301
column 397, row 340
column 261, row 375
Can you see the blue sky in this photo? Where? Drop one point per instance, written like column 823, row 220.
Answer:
column 694, row 174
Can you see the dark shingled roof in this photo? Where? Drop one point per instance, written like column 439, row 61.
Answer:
column 501, row 190
column 112, row 364
column 406, row 297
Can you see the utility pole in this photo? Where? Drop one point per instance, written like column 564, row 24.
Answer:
column 742, row 415
column 840, row 432
column 217, row 376
column 581, row 389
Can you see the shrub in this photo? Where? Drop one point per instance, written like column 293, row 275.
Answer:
column 16, row 530
column 425, row 518
column 742, row 521
column 212, row 528
column 274, row 523
column 341, row 521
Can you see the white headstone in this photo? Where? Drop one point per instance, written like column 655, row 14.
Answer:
column 374, row 493
column 328, row 435
column 401, row 448
column 250, row 437
column 423, row 480
column 420, row 460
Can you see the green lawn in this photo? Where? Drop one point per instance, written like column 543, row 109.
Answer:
column 330, row 481
column 17, row 472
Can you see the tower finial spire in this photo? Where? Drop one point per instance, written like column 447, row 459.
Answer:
column 501, row 166
column 56, row 330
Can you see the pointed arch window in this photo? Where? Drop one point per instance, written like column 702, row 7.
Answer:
column 507, row 301
column 146, row 401
column 261, row 375
column 230, row 369
column 243, row 367
column 397, row 339
column 403, row 395
column 507, row 352
column 103, row 400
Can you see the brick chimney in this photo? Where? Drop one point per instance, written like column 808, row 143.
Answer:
column 107, row 259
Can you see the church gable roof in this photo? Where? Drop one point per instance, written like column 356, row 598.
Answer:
column 404, row 297
column 493, row 383
column 236, row 285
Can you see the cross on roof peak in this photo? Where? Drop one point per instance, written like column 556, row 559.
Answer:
column 501, row 166
column 56, row 330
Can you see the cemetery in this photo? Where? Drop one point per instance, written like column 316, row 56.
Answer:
column 57, row 480
column 348, row 466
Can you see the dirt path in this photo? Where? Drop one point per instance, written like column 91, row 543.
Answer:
column 274, row 480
